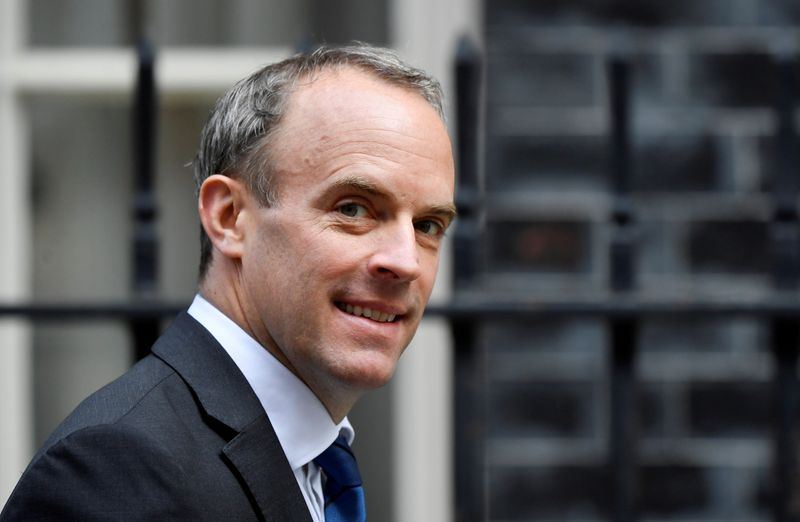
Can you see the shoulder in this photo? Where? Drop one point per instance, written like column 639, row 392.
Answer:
column 115, row 400
column 108, row 471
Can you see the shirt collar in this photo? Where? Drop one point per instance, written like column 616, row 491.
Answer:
column 302, row 424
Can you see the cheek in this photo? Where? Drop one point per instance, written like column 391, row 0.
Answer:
column 314, row 265
column 335, row 251
column 293, row 249
column 430, row 266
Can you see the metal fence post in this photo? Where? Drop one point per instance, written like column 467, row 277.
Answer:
column 622, row 330
column 145, row 240
column 785, row 232
column 469, row 414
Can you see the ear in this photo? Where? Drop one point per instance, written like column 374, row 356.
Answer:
column 219, row 204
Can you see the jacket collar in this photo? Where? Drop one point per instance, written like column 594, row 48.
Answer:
column 224, row 394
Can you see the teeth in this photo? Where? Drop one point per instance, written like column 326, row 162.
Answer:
column 369, row 313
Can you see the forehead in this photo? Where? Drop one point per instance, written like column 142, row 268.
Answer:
column 343, row 116
column 345, row 97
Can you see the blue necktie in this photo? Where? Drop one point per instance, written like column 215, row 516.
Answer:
column 344, row 496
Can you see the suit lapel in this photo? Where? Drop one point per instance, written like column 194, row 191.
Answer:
column 225, row 395
column 246, row 453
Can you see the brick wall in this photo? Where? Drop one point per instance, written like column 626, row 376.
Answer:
column 704, row 81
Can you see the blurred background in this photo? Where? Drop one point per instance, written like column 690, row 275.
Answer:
column 679, row 207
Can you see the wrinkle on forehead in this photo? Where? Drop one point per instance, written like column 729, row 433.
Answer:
column 378, row 148
column 371, row 150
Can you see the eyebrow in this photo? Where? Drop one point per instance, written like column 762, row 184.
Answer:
column 447, row 210
column 358, row 183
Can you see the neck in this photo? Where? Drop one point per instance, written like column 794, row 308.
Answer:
column 337, row 401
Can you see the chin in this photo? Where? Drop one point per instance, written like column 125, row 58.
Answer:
column 370, row 374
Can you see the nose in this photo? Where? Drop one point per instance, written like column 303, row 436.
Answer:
column 396, row 254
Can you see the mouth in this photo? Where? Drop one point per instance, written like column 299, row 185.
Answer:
column 368, row 313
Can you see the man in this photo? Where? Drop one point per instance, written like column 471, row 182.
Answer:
column 325, row 185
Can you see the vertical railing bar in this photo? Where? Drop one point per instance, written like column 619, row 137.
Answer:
column 145, row 241
column 785, row 231
column 466, row 244
column 622, row 331
column 468, row 409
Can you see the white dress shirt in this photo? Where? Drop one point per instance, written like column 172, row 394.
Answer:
column 302, row 424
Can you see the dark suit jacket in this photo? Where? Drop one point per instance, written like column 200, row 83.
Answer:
column 181, row 436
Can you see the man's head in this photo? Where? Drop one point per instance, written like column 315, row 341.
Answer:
column 325, row 233
column 236, row 138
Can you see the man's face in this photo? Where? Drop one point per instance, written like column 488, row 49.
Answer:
column 336, row 275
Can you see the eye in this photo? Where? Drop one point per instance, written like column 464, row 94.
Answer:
column 428, row 227
column 353, row 210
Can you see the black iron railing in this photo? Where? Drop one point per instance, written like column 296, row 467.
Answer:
column 785, row 232
column 622, row 331
column 623, row 307
column 144, row 330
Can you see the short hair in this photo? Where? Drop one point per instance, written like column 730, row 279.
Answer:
column 235, row 139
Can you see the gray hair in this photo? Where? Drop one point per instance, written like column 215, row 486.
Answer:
column 235, row 139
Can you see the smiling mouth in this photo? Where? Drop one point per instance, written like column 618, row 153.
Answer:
column 369, row 313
